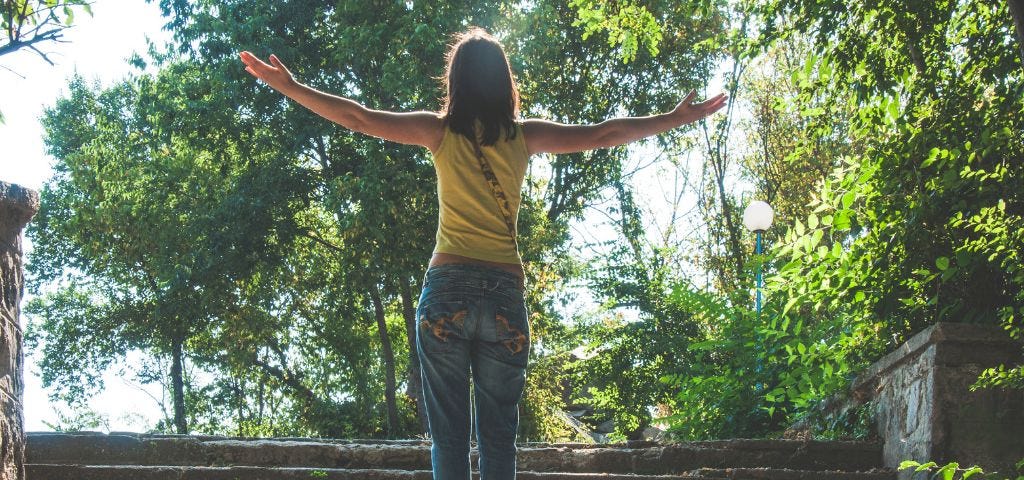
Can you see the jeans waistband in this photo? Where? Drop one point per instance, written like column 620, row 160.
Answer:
column 469, row 272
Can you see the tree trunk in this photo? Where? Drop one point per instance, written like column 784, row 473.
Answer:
column 731, row 230
column 1017, row 12
column 259, row 395
column 240, row 398
column 178, row 386
column 414, row 384
column 17, row 206
column 389, row 364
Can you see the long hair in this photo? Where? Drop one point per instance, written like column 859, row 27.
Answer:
column 480, row 86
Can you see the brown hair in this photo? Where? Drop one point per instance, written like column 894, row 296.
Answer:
column 480, row 86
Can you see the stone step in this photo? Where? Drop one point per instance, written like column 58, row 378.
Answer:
column 785, row 474
column 131, row 472
column 647, row 458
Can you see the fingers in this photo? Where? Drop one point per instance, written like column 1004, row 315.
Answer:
column 280, row 66
column 696, row 111
column 690, row 96
column 262, row 70
column 713, row 104
column 249, row 59
column 255, row 63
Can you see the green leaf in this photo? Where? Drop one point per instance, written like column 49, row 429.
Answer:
column 908, row 464
column 933, row 155
column 947, row 471
column 848, row 199
column 789, row 304
column 706, row 345
column 942, row 263
column 970, row 472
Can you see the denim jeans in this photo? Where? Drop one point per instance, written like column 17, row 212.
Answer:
column 472, row 319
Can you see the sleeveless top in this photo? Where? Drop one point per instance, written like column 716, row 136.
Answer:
column 469, row 221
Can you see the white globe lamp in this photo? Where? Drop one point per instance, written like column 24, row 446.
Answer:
column 757, row 218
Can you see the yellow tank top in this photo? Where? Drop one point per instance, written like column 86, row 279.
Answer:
column 469, row 221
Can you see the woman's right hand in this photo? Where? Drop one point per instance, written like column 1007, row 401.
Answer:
column 689, row 112
column 275, row 74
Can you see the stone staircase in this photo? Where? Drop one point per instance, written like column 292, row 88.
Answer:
column 132, row 456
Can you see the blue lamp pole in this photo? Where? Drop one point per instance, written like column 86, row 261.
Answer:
column 757, row 218
column 757, row 250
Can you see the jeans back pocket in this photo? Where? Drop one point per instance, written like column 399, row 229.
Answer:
column 513, row 332
column 440, row 324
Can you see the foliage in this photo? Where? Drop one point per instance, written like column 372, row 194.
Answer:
column 235, row 238
column 148, row 273
column 914, row 217
column 621, row 381
column 916, row 228
column 950, row 471
column 267, row 262
column 27, row 23
column 81, row 419
column 628, row 25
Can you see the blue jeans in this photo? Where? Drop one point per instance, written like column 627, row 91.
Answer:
column 472, row 318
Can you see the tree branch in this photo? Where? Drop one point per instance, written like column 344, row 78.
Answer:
column 1017, row 12
column 51, row 35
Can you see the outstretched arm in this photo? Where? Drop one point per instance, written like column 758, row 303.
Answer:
column 551, row 137
column 411, row 128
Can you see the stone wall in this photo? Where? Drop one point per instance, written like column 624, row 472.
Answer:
column 17, row 206
column 925, row 410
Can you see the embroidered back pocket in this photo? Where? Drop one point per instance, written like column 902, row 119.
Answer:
column 440, row 324
column 513, row 333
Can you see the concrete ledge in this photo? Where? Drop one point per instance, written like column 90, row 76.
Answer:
column 985, row 344
column 925, row 409
column 651, row 459
column 85, row 472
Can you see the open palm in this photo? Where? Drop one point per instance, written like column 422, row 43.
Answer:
column 689, row 112
column 274, row 74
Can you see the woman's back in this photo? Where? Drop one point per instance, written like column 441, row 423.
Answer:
column 470, row 222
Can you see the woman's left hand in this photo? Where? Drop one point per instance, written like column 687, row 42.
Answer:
column 274, row 74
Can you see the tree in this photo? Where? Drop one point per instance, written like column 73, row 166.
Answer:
column 121, row 211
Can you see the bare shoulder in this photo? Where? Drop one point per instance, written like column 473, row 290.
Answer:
column 432, row 124
column 434, row 127
column 416, row 128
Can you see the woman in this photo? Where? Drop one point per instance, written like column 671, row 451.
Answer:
column 472, row 315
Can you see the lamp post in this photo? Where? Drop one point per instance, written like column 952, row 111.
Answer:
column 757, row 218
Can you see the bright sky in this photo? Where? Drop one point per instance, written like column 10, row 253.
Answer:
column 98, row 49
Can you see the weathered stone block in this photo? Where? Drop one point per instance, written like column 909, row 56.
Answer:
column 926, row 411
column 17, row 205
